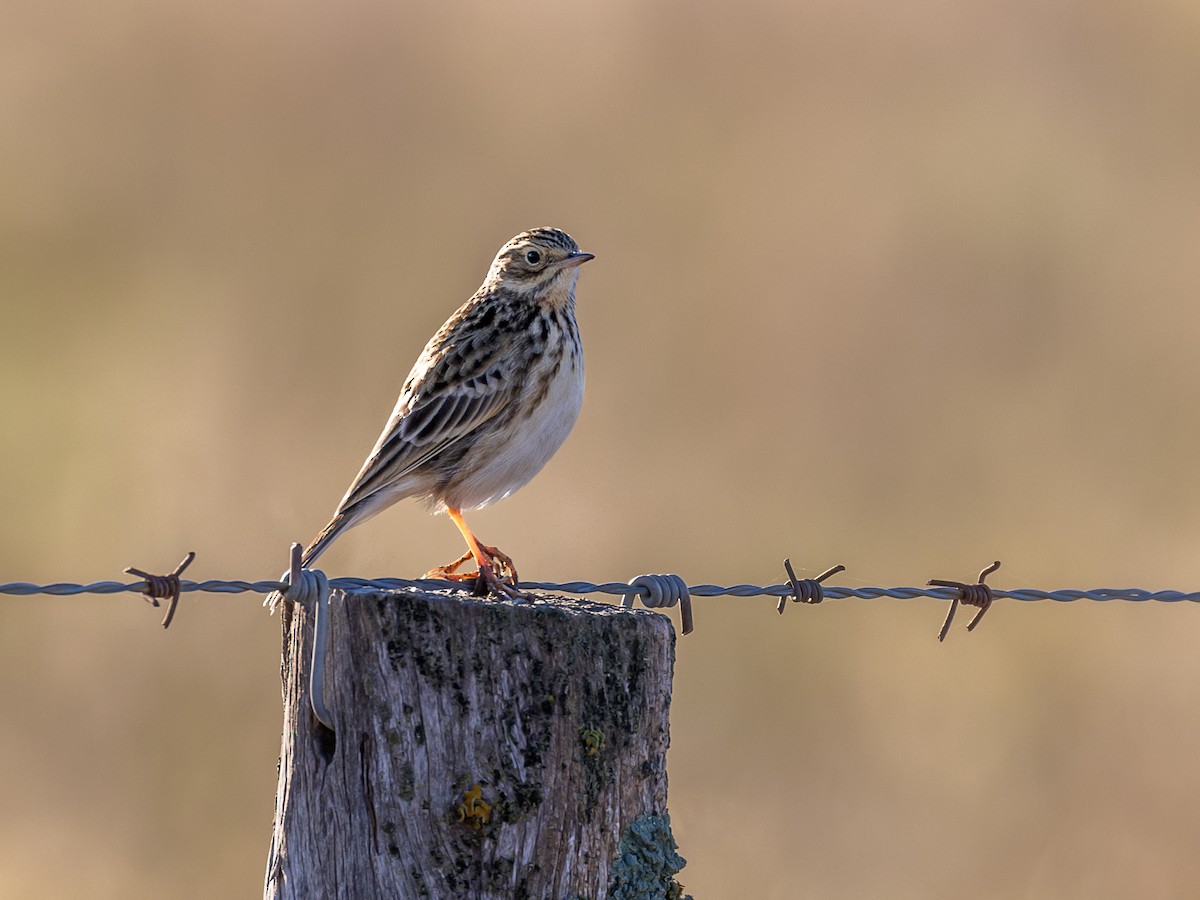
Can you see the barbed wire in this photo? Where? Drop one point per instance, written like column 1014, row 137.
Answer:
column 655, row 591
column 618, row 588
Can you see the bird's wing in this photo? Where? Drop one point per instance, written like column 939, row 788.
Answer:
column 451, row 391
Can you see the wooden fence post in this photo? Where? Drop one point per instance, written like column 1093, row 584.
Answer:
column 482, row 749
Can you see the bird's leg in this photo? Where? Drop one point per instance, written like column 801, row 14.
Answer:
column 496, row 569
column 485, row 557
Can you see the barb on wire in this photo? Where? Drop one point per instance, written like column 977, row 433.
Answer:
column 163, row 587
column 978, row 595
column 805, row 590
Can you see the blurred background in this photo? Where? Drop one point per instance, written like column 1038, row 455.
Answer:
column 907, row 286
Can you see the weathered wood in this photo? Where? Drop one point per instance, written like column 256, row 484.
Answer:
column 483, row 749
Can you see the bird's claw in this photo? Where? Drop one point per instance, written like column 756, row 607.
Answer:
column 496, row 575
column 449, row 572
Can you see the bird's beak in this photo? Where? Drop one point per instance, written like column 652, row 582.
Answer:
column 576, row 259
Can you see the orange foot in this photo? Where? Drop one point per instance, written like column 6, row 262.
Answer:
column 496, row 573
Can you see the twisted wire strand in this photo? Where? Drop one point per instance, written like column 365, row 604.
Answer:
column 619, row 588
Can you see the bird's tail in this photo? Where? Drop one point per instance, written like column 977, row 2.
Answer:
column 328, row 535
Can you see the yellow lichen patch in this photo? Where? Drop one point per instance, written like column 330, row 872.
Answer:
column 593, row 740
column 474, row 812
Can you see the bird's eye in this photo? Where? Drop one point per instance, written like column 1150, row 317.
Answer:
column 533, row 257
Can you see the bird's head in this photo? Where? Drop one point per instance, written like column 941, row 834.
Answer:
column 541, row 264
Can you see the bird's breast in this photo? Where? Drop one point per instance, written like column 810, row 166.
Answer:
column 508, row 456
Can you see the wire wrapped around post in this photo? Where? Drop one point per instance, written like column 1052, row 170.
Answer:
column 310, row 588
column 662, row 592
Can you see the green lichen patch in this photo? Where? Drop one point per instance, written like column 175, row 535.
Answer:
column 516, row 801
column 646, row 862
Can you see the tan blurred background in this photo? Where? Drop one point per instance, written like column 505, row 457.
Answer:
column 906, row 286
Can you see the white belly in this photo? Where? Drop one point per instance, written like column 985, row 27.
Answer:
column 509, row 461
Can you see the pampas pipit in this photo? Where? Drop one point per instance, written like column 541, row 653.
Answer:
column 491, row 398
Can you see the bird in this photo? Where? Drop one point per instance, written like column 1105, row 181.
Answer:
column 492, row 396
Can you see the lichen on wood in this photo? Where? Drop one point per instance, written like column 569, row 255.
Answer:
column 646, row 863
